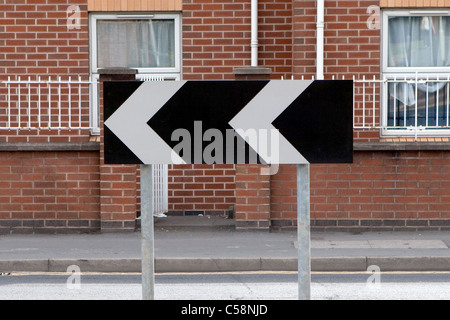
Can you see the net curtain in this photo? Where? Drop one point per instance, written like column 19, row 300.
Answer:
column 135, row 44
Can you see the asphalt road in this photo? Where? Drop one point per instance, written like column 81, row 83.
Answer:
column 227, row 286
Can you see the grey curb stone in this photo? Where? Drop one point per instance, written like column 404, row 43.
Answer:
column 96, row 265
column 207, row 264
column 410, row 263
column 279, row 264
column 339, row 264
column 322, row 264
column 38, row 265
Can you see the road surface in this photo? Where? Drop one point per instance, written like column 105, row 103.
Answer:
column 227, row 286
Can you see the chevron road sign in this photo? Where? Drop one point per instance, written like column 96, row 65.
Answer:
column 198, row 122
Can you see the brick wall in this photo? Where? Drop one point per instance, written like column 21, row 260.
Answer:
column 350, row 47
column 200, row 189
column 216, row 38
column 253, row 191
column 43, row 188
column 63, row 191
column 49, row 192
column 382, row 190
column 35, row 41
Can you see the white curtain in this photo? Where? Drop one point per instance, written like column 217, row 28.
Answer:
column 135, row 43
column 417, row 42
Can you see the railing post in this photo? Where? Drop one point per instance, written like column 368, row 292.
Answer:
column 29, row 102
column 59, row 102
column 18, row 104
column 39, row 101
column 373, row 101
column 9, row 102
column 49, row 84
column 448, row 100
column 79, row 102
column 364, row 101
column 70, row 103
column 354, row 103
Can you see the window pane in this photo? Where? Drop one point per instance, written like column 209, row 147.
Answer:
column 432, row 104
column 136, row 43
column 419, row 41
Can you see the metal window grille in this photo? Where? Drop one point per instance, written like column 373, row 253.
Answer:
column 50, row 103
column 160, row 173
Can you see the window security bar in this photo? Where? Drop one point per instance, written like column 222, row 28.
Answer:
column 48, row 104
column 160, row 173
column 421, row 103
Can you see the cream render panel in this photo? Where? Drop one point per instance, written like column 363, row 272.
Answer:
column 414, row 3
column 134, row 5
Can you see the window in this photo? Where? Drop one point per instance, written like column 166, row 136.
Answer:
column 136, row 44
column 149, row 43
column 416, row 65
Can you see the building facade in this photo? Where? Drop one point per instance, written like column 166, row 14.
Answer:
column 55, row 54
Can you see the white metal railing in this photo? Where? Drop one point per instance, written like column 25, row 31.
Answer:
column 48, row 103
column 366, row 102
column 408, row 104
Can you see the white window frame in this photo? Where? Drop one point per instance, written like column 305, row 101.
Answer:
column 411, row 73
column 171, row 72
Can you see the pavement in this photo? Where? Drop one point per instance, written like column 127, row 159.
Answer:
column 211, row 244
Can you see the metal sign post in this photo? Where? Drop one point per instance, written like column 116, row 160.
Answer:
column 147, row 233
column 303, row 232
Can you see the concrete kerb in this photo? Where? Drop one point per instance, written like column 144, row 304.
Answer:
column 339, row 264
column 37, row 265
column 61, row 265
column 172, row 265
column 410, row 263
column 207, row 264
column 96, row 265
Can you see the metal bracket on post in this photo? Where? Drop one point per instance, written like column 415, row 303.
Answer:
column 303, row 232
column 147, row 233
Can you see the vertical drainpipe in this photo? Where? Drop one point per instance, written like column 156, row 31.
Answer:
column 254, row 33
column 320, row 38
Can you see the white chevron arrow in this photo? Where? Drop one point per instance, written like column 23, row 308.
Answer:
column 262, row 110
column 129, row 122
